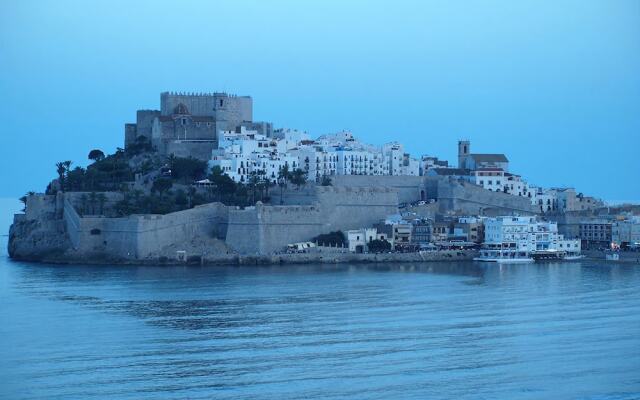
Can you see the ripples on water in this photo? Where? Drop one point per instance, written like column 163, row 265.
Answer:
column 433, row 331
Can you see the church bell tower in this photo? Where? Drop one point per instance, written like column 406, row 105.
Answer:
column 464, row 149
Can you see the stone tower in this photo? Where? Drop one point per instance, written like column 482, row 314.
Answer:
column 464, row 149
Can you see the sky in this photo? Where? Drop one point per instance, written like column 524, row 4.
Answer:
column 555, row 85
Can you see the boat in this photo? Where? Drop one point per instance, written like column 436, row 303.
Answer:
column 612, row 256
column 503, row 256
column 548, row 255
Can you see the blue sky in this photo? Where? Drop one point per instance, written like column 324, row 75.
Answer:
column 553, row 84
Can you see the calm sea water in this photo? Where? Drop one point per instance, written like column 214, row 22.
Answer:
column 460, row 331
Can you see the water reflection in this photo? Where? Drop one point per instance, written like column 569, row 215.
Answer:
column 454, row 330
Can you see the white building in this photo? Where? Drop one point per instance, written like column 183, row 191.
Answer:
column 523, row 237
column 545, row 200
column 626, row 232
column 490, row 178
column 515, row 185
column 358, row 239
column 243, row 152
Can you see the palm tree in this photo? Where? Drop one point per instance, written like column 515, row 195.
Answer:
column 254, row 180
column 298, row 177
column 62, row 168
column 283, row 176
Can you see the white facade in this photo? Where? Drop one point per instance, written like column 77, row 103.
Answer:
column 570, row 246
column 515, row 185
column 524, row 235
column 545, row 200
column 490, row 178
column 358, row 239
column 241, row 153
column 626, row 231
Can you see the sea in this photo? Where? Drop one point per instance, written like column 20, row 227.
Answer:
column 459, row 330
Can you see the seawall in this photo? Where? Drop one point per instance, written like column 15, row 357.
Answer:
column 280, row 259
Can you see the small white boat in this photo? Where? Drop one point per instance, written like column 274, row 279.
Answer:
column 612, row 256
column 573, row 257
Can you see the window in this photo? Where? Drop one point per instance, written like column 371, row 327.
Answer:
column 184, row 121
column 221, row 102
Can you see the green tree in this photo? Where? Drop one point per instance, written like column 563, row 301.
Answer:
column 379, row 246
column 254, row 180
column 298, row 177
column 23, row 199
column 335, row 238
column 283, row 177
column 75, row 179
column 223, row 185
column 62, row 168
column 161, row 185
column 188, row 169
column 326, row 181
column 96, row 155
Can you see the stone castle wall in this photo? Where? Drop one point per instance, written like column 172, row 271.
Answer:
column 197, row 104
column 351, row 203
column 265, row 229
column 467, row 198
column 200, row 150
column 138, row 236
column 409, row 188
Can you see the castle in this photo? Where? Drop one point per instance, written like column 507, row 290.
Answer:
column 187, row 124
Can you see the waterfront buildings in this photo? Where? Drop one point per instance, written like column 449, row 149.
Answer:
column 595, row 233
column 516, row 238
column 626, row 232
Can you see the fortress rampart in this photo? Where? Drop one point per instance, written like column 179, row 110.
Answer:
column 265, row 229
column 139, row 236
column 52, row 224
column 467, row 198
